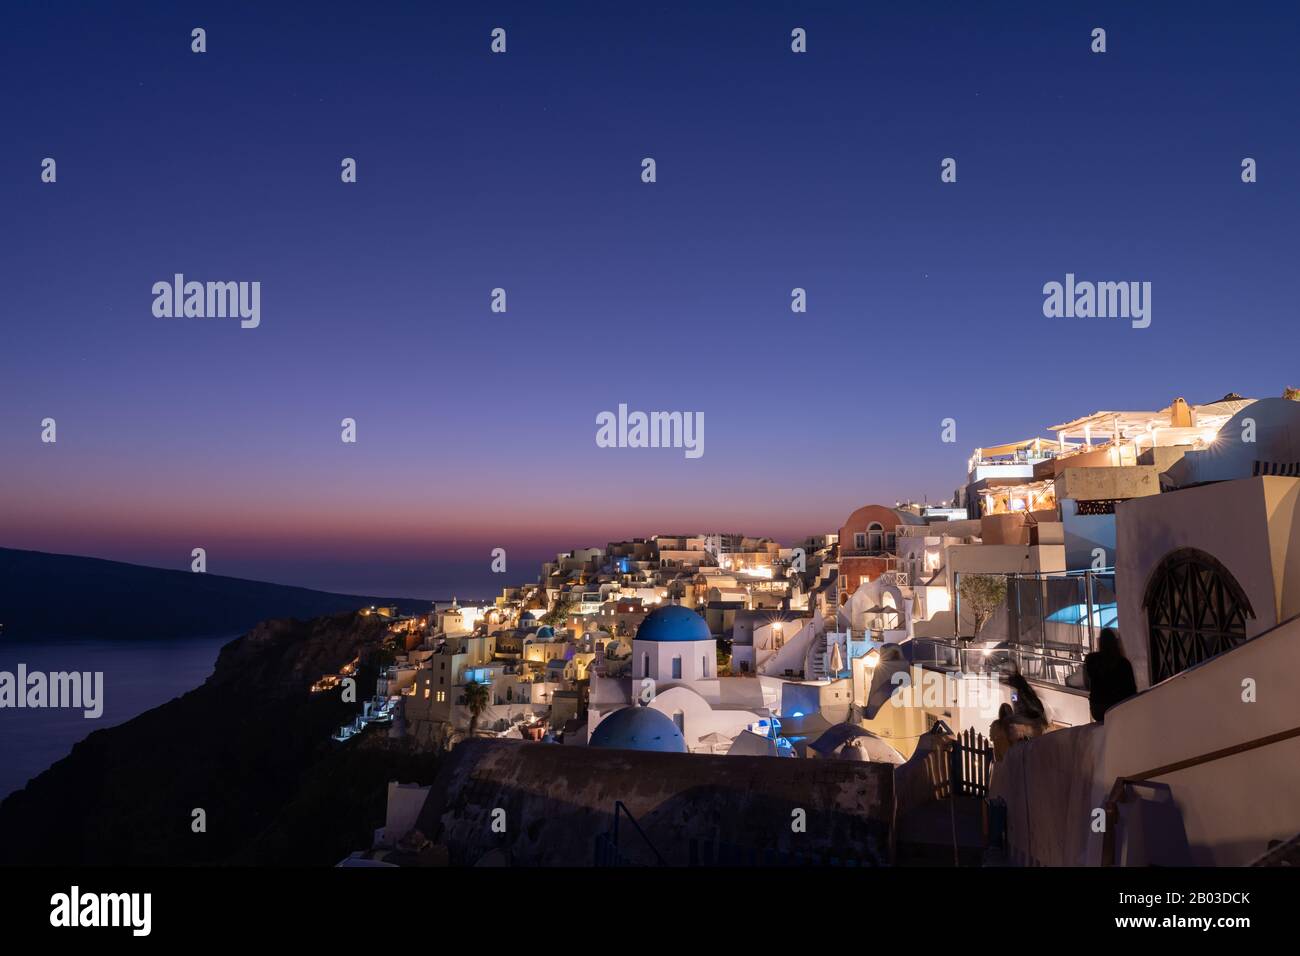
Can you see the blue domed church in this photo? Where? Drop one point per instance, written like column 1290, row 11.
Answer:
column 639, row 728
column 671, row 698
column 673, row 644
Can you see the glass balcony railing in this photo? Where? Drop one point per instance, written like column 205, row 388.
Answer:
column 1042, row 624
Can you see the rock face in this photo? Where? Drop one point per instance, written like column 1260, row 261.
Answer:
column 238, row 748
column 431, row 736
column 558, row 805
column 284, row 657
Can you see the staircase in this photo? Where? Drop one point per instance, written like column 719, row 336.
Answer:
column 819, row 658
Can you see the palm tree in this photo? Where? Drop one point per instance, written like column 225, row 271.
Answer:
column 476, row 699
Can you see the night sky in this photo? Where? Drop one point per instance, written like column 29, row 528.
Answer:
column 523, row 171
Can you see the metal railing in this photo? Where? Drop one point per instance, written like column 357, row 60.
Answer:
column 1044, row 623
column 607, row 850
column 1147, row 778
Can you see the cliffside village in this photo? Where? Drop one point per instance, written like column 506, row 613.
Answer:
column 941, row 650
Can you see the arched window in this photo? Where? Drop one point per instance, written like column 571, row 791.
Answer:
column 1195, row 611
column 875, row 536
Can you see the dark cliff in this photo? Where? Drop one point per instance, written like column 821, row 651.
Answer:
column 250, row 747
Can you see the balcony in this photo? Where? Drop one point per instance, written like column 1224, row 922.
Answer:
column 884, row 551
column 1043, row 624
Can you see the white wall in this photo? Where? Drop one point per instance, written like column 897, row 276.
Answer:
column 794, row 654
column 1083, row 533
column 1231, row 807
column 405, row 801
column 698, row 718
column 1228, row 520
column 699, row 659
column 1221, row 813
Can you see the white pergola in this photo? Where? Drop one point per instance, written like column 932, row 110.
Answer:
column 1178, row 420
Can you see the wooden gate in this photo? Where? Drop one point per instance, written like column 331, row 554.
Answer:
column 969, row 760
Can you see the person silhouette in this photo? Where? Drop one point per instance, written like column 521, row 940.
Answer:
column 1108, row 675
column 1000, row 732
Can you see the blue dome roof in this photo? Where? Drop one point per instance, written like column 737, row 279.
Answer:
column 639, row 728
column 672, row 622
column 545, row 631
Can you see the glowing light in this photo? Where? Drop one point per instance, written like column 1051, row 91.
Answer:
column 872, row 658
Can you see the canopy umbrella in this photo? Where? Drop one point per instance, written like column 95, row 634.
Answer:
column 837, row 659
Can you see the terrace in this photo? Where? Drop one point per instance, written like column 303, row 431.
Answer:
column 1013, row 459
column 1044, row 625
column 1128, row 433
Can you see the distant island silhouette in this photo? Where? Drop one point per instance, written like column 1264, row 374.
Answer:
column 59, row 595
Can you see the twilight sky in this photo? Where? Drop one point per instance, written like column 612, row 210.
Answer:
column 775, row 170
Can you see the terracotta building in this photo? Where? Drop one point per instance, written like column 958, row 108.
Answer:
column 867, row 545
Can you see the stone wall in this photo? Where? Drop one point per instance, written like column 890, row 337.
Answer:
column 557, row 800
